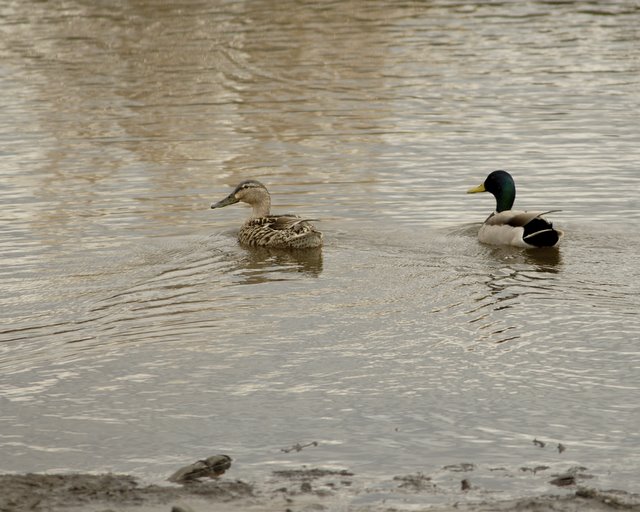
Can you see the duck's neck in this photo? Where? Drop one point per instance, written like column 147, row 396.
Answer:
column 261, row 208
column 505, row 197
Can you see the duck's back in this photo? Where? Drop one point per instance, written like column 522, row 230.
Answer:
column 280, row 232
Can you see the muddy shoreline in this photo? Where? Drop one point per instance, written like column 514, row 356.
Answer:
column 291, row 490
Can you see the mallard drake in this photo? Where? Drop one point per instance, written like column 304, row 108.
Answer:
column 266, row 230
column 512, row 227
column 211, row 467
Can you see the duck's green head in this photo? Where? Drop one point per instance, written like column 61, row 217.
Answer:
column 502, row 186
column 249, row 191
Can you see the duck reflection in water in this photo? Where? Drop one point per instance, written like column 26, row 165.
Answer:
column 544, row 260
column 514, row 280
column 263, row 264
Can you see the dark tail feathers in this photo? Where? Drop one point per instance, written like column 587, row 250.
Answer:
column 540, row 233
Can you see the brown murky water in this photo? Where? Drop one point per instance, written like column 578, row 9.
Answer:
column 136, row 333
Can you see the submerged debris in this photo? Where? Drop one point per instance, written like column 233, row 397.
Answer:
column 541, row 444
column 310, row 474
column 211, row 467
column 463, row 467
column 298, row 447
column 535, row 469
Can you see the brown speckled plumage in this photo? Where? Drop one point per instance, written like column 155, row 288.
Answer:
column 266, row 230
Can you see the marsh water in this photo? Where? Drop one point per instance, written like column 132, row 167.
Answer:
column 138, row 336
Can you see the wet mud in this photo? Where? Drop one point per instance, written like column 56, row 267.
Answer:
column 295, row 490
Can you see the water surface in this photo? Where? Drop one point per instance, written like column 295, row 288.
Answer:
column 137, row 335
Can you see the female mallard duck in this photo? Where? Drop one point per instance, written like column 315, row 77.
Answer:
column 266, row 230
column 512, row 227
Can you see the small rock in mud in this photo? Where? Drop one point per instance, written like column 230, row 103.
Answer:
column 211, row 467
column 570, row 477
column 181, row 508
column 563, row 480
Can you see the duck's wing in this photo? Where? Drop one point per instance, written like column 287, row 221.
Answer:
column 280, row 232
column 284, row 222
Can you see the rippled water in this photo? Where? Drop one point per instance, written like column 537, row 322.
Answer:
column 136, row 334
